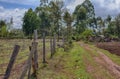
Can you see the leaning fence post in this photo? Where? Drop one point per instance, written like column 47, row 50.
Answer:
column 28, row 63
column 11, row 62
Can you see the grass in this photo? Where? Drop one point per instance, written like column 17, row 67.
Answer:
column 73, row 64
column 113, row 57
column 98, row 71
column 66, row 65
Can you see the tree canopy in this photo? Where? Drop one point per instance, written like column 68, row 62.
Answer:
column 30, row 22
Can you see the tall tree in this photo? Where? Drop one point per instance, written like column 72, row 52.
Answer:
column 30, row 22
column 80, row 18
column 100, row 25
column 109, row 18
column 110, row 24
column 111, row 29
column 56, row 14
column 68, row 20
column 90, row 14
column 117, row 20
column 43, row 13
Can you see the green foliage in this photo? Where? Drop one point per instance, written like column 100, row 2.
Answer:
column 44, row 16
column 3, row 31
column 16, row 33
column 2, row 23
column 109, row 18
column 56, row 16
column 90, row 13
column 111, row 28
column 68, row 20
column 81, row 27
column 86, row 34
column 84, row 15
column 30, row 22
column 75, row 62
column 80, row 13
column 80, row 19
column 77, row 37
column 117, row 29
column 100, row 25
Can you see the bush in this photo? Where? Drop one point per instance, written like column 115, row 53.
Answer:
column 77, row 37
column 87, row 34
column 3, row 31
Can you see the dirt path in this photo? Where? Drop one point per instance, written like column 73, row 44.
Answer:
column 109, row 64
column 104, row 63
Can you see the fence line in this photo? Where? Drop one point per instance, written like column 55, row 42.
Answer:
column 32, row 61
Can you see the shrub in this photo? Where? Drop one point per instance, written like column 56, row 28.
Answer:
column 86, row 34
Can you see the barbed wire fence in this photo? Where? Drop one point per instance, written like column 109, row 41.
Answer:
column 31, row 53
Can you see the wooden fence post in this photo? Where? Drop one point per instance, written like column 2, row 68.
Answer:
column 35, row 62
column 44, row 52
column 28, row 63
column 35, row 35
column 51, row 47
column 29, row 72
column 63, row 40
column 54, row 44
column 36, row 52
column 29, row 69
column 11, row 62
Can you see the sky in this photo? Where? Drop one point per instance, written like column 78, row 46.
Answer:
column 17, row 8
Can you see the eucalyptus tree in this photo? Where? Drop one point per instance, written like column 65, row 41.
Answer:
column 85, row 16
column 68, row 20
column 56, row 7
column 110, row 25
column 90, row 13
column 117, row 22
column 80, row 18
column 100, row 25
column 42, row 12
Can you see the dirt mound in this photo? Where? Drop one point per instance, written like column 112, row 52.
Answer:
column 112, row 47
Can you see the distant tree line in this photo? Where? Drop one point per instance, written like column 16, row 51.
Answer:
column 7, row 31
column 52, row 17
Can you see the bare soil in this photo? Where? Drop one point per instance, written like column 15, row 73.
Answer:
column 103, row 61
column 112, row 47
column 112, row 67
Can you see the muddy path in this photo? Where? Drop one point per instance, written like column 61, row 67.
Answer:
column 103, row 62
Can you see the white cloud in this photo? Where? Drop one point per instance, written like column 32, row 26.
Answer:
column 74, row 3
column 16, row 13
column 1, row 7
column 105, row 7
column 26, row 2
column 109, row 4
